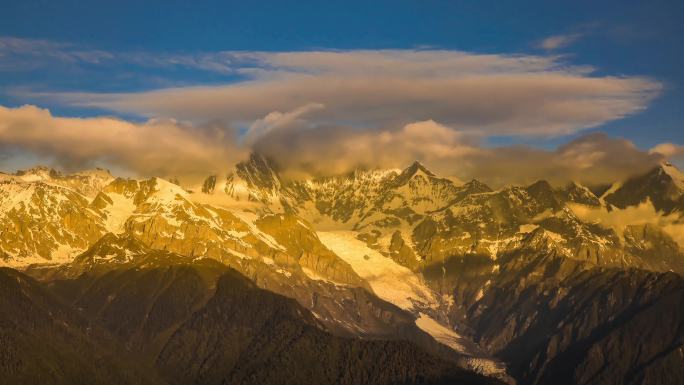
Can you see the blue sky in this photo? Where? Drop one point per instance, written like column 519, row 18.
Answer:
column 618, row 39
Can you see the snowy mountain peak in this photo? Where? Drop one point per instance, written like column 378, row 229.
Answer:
column 97, row 172
column 578, row 193
column 164, row 188
column 413, row 171
column 663, row 186
column 87, row 182
column 37, row 173
column 209, row 185
column 376, row 175
column 416, row 167
column 475, row 186
column 673, row 172
column 258, row 172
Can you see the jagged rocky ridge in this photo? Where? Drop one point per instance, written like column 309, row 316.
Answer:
column 337, row 246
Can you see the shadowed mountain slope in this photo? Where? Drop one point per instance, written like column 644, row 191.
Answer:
column 190, row 324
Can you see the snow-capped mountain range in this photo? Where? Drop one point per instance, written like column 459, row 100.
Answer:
column 428, row 246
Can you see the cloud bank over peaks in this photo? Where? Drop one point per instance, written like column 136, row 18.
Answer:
column 170, row 148
column 591, row 159
column 154, row 148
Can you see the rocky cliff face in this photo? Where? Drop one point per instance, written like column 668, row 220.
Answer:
column 560, row 321
column 44, row 222
column 663, row 186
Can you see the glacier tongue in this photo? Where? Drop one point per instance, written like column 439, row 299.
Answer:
column 399, row 285
column 389, row 280
column 441, row 333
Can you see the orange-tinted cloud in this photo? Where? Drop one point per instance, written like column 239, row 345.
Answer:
column 668, row 150
column 171, row 148
column 157, row 147
column 330, row 150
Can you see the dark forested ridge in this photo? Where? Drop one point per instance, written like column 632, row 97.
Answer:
column 188, row 324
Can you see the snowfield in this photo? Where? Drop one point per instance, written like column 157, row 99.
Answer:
column 118, row 212
column 442, row 334
column 397, row 284
column 389, row 280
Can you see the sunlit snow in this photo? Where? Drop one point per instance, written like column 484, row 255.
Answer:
column 390, row 281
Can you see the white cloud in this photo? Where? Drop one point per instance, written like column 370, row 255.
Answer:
column 22, row 55
column 327, row 112
column 477, row 93
column 642, row 214
column 19, row 54
column 277, row 119
column 555, row 42
column 668, row 150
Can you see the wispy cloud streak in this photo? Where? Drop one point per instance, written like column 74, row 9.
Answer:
column 555, row 42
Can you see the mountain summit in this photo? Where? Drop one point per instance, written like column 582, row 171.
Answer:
column 663, row 186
